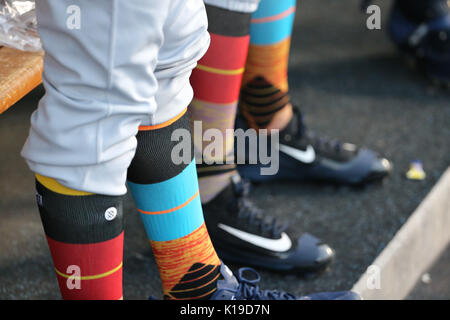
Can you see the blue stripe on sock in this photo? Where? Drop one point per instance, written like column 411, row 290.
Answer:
column 271, row 32
column 176, row 224
column 267, row 33
column 270, row 8
column 167, row 194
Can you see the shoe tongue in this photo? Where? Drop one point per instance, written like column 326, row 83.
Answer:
column 296, row 127
column 228, row 281
column 239, row 189
column 237, row 185
column 227, row 274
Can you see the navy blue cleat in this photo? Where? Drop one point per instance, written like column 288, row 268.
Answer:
column 305, row 156
column 421, row 30
column 244, row 234
column 242, row 288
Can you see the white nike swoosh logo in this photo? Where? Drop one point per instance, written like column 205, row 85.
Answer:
column 307, row 156
column 278, row 245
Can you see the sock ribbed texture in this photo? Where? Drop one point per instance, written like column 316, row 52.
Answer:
column 264, row 102
column 216, row 82
column 85, row 235
column 167, row 197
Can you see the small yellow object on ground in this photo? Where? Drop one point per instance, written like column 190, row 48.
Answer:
column 415, row 171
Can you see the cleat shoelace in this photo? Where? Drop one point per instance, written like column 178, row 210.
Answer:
column 320, row 143
column 254, row 216
column 249, row 290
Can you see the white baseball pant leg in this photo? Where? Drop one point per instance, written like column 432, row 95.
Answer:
column 110, row 66
column 247, row 6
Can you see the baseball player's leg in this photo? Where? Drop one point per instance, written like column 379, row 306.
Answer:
column 264, row 101
column 82, row 234
column 165, row 189
column 100, row 85
column 216, row 82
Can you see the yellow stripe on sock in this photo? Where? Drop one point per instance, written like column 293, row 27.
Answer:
column 55, row 186
column 93, row 277
column 221, row 71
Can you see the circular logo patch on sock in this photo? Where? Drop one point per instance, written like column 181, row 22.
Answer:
column 110, row 213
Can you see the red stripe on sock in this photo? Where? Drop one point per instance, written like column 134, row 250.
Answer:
column 92, row 259
column 226, row 52
column 215, row 88
column 107, row 288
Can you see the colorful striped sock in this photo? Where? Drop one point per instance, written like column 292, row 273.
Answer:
column 264, row 101
column 216, row 82
column 85, row 235
column 167, row 197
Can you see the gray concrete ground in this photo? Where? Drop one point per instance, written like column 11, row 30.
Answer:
column 352, row 84
column 435, row 283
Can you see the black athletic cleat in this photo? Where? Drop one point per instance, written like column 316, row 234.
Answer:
column 242, row 233
column 305, row 156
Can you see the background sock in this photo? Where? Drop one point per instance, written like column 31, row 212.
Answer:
column 85, row 235
column 167, row 197
column 216, row 82
column 264, row 101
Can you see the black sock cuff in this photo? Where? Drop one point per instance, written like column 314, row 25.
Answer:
column 79, row 219
column 228, row 23
column 153, row 161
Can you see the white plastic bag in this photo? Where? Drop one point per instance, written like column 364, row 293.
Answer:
column 18, row 25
